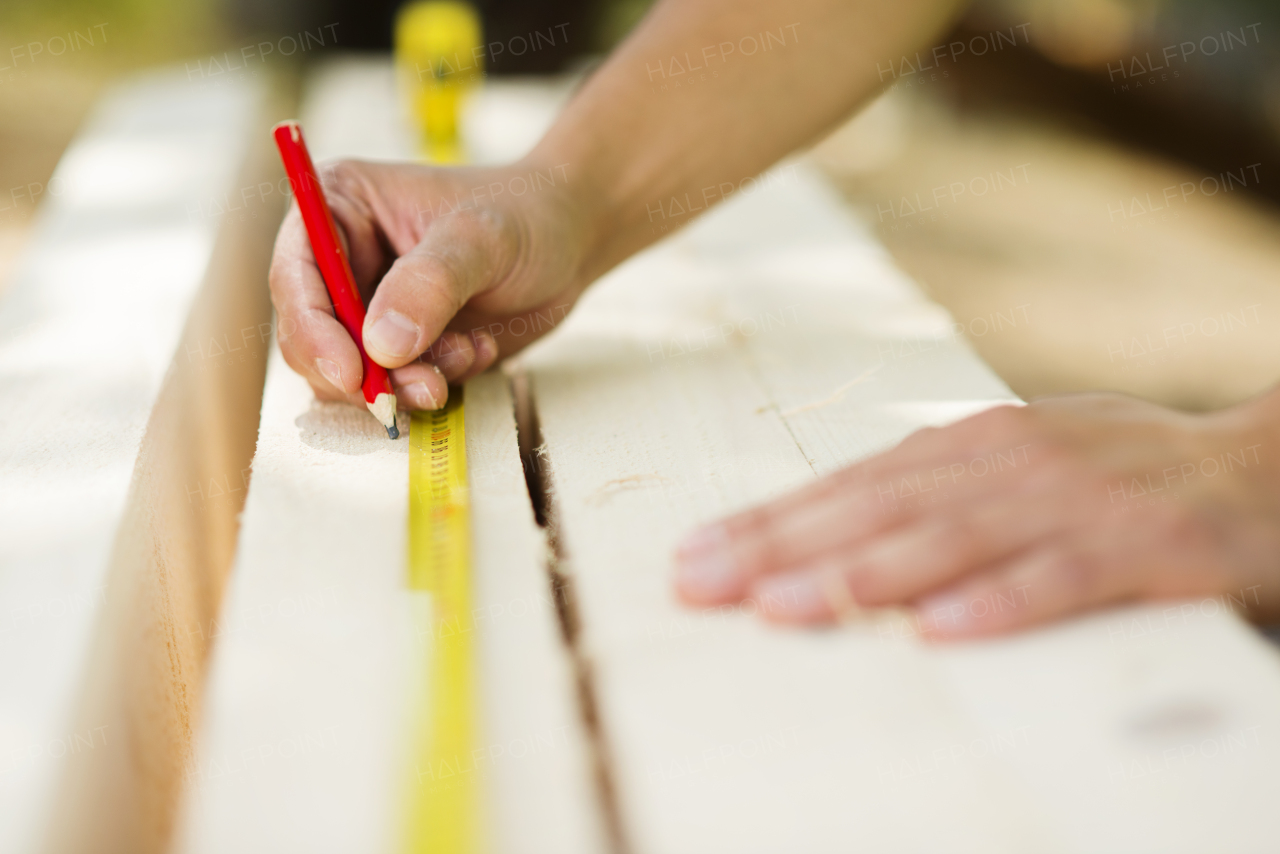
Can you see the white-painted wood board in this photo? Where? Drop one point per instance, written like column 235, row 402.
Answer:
column 88, row 329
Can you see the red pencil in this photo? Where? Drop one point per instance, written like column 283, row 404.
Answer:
column 335, row 269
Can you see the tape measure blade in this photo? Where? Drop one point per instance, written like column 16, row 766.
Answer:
column 444, row 808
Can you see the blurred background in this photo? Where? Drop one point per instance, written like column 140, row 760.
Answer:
column 1090, row 186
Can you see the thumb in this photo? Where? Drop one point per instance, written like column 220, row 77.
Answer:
column 459, row 256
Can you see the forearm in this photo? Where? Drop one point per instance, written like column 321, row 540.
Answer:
column 706, row 93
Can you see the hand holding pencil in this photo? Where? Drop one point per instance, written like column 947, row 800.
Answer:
column 458, row 267
column 331, row 258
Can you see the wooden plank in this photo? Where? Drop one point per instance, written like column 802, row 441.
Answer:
column 725, row 734
column 307, row 737
column 119, row 415
column 1146, row 729
column 769, row 342
column 1096, row 787
column 540, row 794
column 306, row 695
column 888, row 361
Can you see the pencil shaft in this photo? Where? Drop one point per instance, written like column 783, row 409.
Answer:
column 330, row 256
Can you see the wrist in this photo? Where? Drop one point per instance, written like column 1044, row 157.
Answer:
column 580, row 204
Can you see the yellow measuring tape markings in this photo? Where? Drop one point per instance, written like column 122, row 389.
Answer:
column 444, row 803
column 440, row 61
column 438, row 57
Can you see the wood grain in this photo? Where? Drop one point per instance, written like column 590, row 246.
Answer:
column 307, row 742
column 134, row 343
column 771, row 342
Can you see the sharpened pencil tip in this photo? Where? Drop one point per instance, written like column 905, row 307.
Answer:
column 393, row 431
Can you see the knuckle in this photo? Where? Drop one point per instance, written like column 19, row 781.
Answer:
column 1054, row 463
column 285, row 327
column 758, row 530
column 848, row 477
column 1002, row 420
column 278, row 274
column 491, row 231
column 853, row 485
column 298, row 335
column 1077, row 574
column 443, row 270
column 486, row 350
column 439, row 272
column 1051, row 450
column 297, row 363
column 341, row 174
column 960, row 539
column 1182, row 530
column 748, row 522
column 921, row 438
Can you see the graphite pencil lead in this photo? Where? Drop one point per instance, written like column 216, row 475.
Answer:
column 393, row 431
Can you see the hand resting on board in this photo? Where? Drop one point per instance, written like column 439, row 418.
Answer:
column 1017, row 516
column 1082, row 501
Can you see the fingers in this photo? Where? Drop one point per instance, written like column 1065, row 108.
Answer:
column 928, row 465
column 993, row 549
column 1050, row 581
column 311, row 339
column 910, row 561
column 927, row 477
column 511, row 334
column 1088, row 563
column 462, row 355
column 351, row 191
column 454, row 358
column 719, row 563
column 935, row 549
column 420, row 386
column 458, row 257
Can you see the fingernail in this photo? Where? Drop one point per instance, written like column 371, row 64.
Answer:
column 486, row 348
column 705, row 568
column 793, row 596
column 420, row 396
column 330, row 371
column 945, row 612
column 392, row 334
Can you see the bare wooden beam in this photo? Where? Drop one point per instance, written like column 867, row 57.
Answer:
column 134, row 344
column 771, row 342
column 322, row 651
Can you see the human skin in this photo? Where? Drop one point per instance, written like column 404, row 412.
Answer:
column 444, row 280
column 452, row 282
column 1017, row 516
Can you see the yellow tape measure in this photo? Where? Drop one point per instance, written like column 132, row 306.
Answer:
column 443, row 810
column 438, row 60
